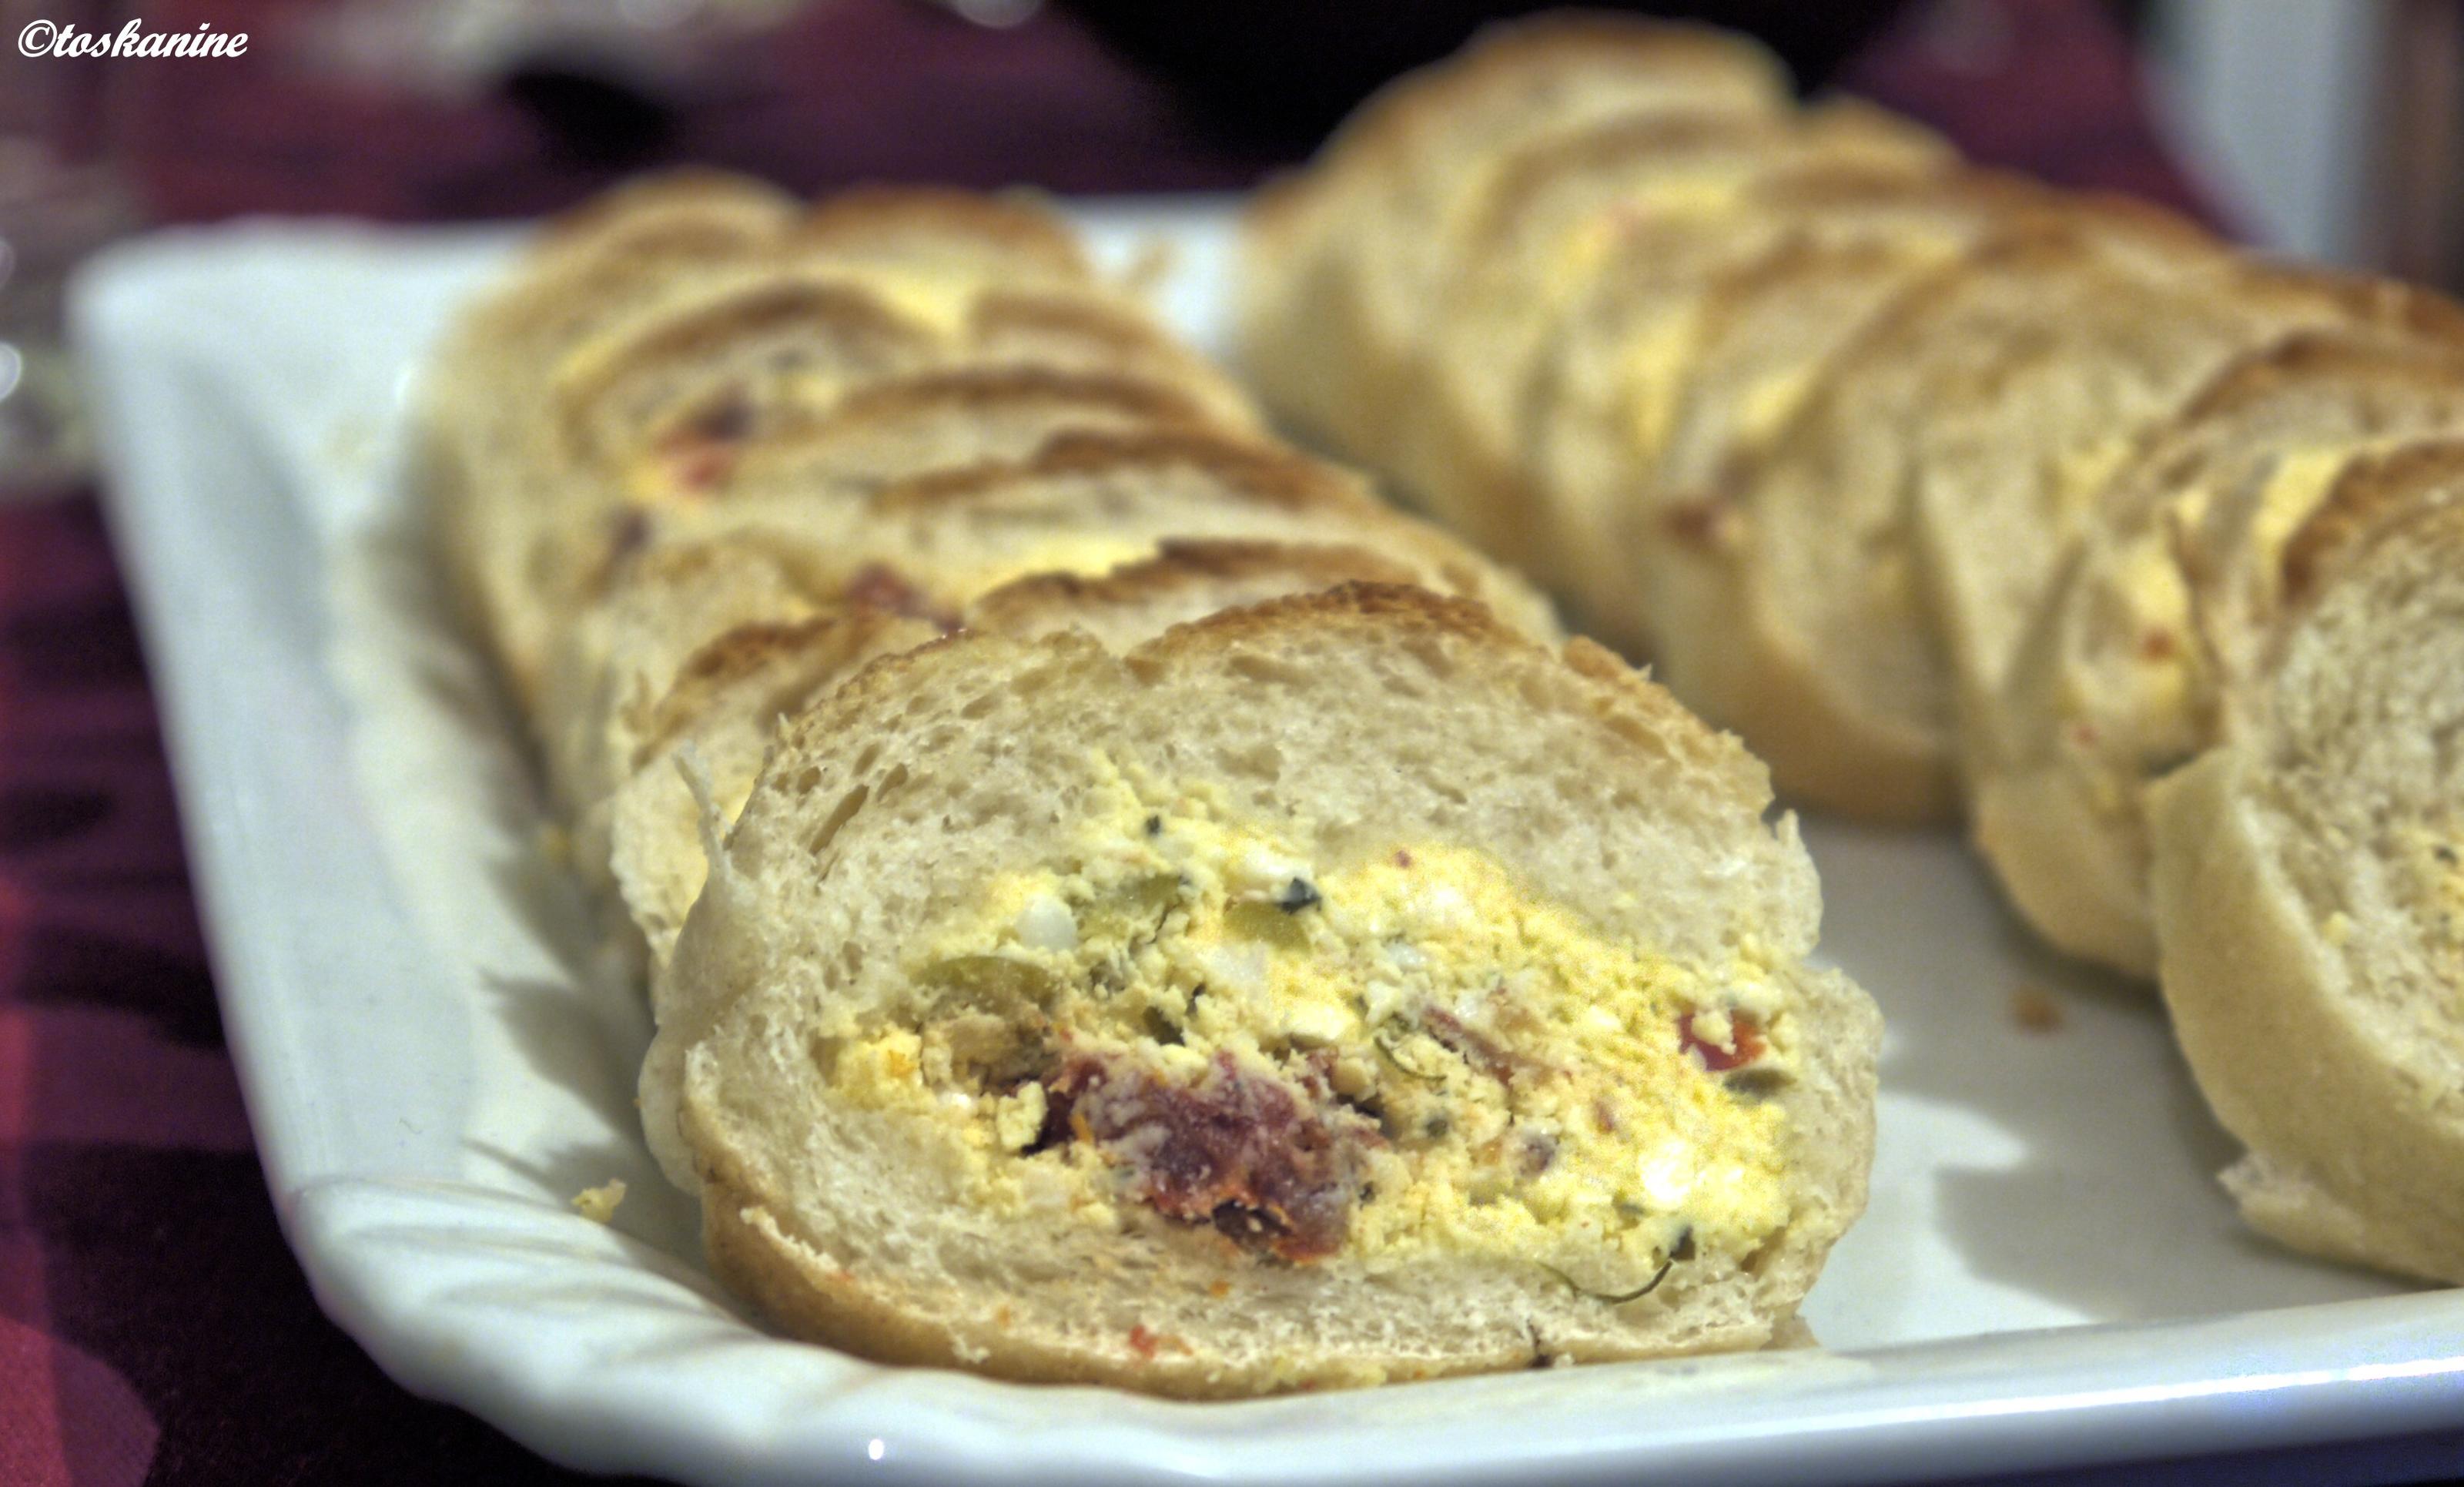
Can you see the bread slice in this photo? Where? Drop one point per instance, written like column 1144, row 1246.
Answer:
column 708, row 730
column 1552, row 219
column 842, row 438
column 564, row 427
column 1338, row 268
column 1992, row 531
column 1698, row 338
column 709, row 631
column 2014, row 378
column 702, row 745
column 2308, row 900
column 954, row 1094
column 2152, row 624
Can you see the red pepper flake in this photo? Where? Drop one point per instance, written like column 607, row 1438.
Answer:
column 2159, row 645
column 1745, row 1043
column 1402, row 859
column 698, row 467
column 1698, row 523
column 1142, row 1342
column 879, row 585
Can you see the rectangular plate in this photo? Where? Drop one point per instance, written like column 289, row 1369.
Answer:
column 2047, row 1275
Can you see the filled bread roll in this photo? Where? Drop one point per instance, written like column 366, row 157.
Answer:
column 1552, row 211
column 2150, row 631
column 1328, row 991
column 1694, row 339
column 1119, row 902
column 2307, row 892
column 1893, row 540
column 1346, row 260
column 748, row 330
column 703, row 642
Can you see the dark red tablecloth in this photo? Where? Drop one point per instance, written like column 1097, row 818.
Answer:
column 152, row 1324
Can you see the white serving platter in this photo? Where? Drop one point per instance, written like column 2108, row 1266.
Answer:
column 2047, row 1276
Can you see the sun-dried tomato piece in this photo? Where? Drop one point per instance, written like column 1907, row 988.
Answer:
column 1745, row 1043
column 1235, row 1149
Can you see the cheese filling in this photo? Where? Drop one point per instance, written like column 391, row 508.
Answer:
column 1394, row 1056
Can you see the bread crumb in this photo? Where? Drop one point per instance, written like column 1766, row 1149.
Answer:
column 2034, row 1009
column 599, row 1204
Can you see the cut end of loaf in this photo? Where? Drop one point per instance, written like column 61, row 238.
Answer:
column 1302, row 1088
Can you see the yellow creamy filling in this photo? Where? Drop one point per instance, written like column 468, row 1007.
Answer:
column 2432, row 857
column 1465, row 1070
column 2297, row 487
column 1656, row 363
column 2152, row 605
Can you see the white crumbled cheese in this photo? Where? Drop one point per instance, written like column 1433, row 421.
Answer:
column 958, row 1101
column 1712, row 1027
column 1442, row 907
column 1669, row 1175
column 1239, row 968
column 1046, row 923
column 1316, row 1022
column 1602, row 1019
column 1259, row 874
column 1020, row 1116
column 1381, row 999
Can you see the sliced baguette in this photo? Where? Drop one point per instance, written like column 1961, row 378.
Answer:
column 706, row 739
column 2150, row 626
column 2307, row 897
column 1341, row 264
column 860, row 1204
column 2014, row 378
column 1550, row 222
column 1697, row 340
column 710, row 633
column 1992, row 531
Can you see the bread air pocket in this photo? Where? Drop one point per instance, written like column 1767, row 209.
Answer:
column 1426, row 1002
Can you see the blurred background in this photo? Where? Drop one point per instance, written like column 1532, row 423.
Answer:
column 2329, row 128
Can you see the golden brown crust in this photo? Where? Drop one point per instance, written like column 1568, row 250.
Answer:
column 866, row 217
column 685, row 192
column 2372, row 492
column 1261, row 471
column 1646, row 140
column 1025, row 601
column 986, row 388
